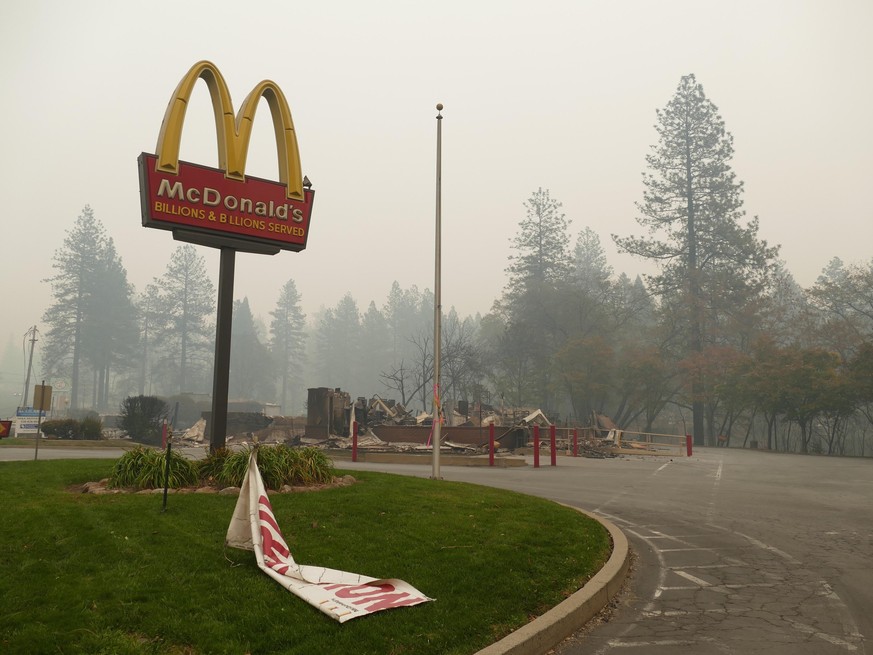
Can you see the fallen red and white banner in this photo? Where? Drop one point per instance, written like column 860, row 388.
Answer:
column 339, row 594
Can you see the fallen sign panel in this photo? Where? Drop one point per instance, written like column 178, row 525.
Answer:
column 339, row 594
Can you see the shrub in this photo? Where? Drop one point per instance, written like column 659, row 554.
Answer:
column 210, row 468
column 141, row 418
column 79, row 414
column 279, row 465
column 64, row 428
column 128, row 467
column 90, row 427
column 312, row 466
column 233, row 470
column 145, row 468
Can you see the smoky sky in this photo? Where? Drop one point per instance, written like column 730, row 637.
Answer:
column 560, row 95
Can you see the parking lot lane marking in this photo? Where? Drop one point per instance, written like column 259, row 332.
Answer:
column 692, row 578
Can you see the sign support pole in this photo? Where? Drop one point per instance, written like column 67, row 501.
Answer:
column 42, row 401
column 221, row 375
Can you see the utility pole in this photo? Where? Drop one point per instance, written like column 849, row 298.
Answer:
column 32, row 334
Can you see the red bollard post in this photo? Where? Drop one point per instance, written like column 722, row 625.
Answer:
column 575, row 442
column 491, row 445
column 354, row 441
column 553, row 445
column 688, row 443
column 536, row 446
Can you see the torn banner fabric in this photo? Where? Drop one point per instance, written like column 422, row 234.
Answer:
column 339, row 594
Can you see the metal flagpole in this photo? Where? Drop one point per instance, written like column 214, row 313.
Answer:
column 437, row 303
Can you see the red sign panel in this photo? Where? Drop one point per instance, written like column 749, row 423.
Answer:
column 204, row 200
column 5, row 428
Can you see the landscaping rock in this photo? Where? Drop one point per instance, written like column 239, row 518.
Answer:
column 229, row 491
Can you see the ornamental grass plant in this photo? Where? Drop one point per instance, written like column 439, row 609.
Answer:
column 279, row 465
column 112, row 574
column 145, row 468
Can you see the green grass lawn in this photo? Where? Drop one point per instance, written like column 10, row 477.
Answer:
column 113, row 575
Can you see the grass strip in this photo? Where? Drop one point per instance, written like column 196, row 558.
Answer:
column 112, row 574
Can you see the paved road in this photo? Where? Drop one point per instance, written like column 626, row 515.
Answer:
column 737, row 551
column 16, row 454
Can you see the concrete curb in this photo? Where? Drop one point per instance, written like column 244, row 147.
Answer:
column 547, row 631
column 426, row 459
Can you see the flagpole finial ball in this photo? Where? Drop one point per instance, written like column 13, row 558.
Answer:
column 439, row 106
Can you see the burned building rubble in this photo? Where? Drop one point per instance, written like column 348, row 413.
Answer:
column 383, row 424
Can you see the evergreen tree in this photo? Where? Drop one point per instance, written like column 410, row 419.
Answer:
column 591, row 271
column 110, row 338
column 288, row 343
column 338, row 346
column 711, row 262
column 75, row 284
column 408, row 313
column 148, row 311
column 530, row 308
column 788, row 315
column 185, row 329
column 844, row 295
column 376, row 347
column 541, row 246
column 251, row 371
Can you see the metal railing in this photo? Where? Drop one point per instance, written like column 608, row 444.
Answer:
column 649, row 443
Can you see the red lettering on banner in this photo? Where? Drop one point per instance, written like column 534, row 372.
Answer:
column 355, row 591
column 267, row 517
column 273, row 548
column 388, row 601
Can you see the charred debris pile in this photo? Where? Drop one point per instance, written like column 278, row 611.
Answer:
column 384, row 425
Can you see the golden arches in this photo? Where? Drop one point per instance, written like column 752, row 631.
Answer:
column 233, row 132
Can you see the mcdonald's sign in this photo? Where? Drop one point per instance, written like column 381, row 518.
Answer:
column 225, row 202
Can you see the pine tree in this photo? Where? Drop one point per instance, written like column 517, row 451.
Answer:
column 185, row 329
column 338, row 345
column 376, row 347
column 75, row 284
column 540, row 266
column 111, row 337
column 288, row 344
column 711, row 263
column 148, row 311
column 251, row 371
column 591, row 271
column 541, row 245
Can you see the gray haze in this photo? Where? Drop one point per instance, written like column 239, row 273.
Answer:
column 553, row 94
